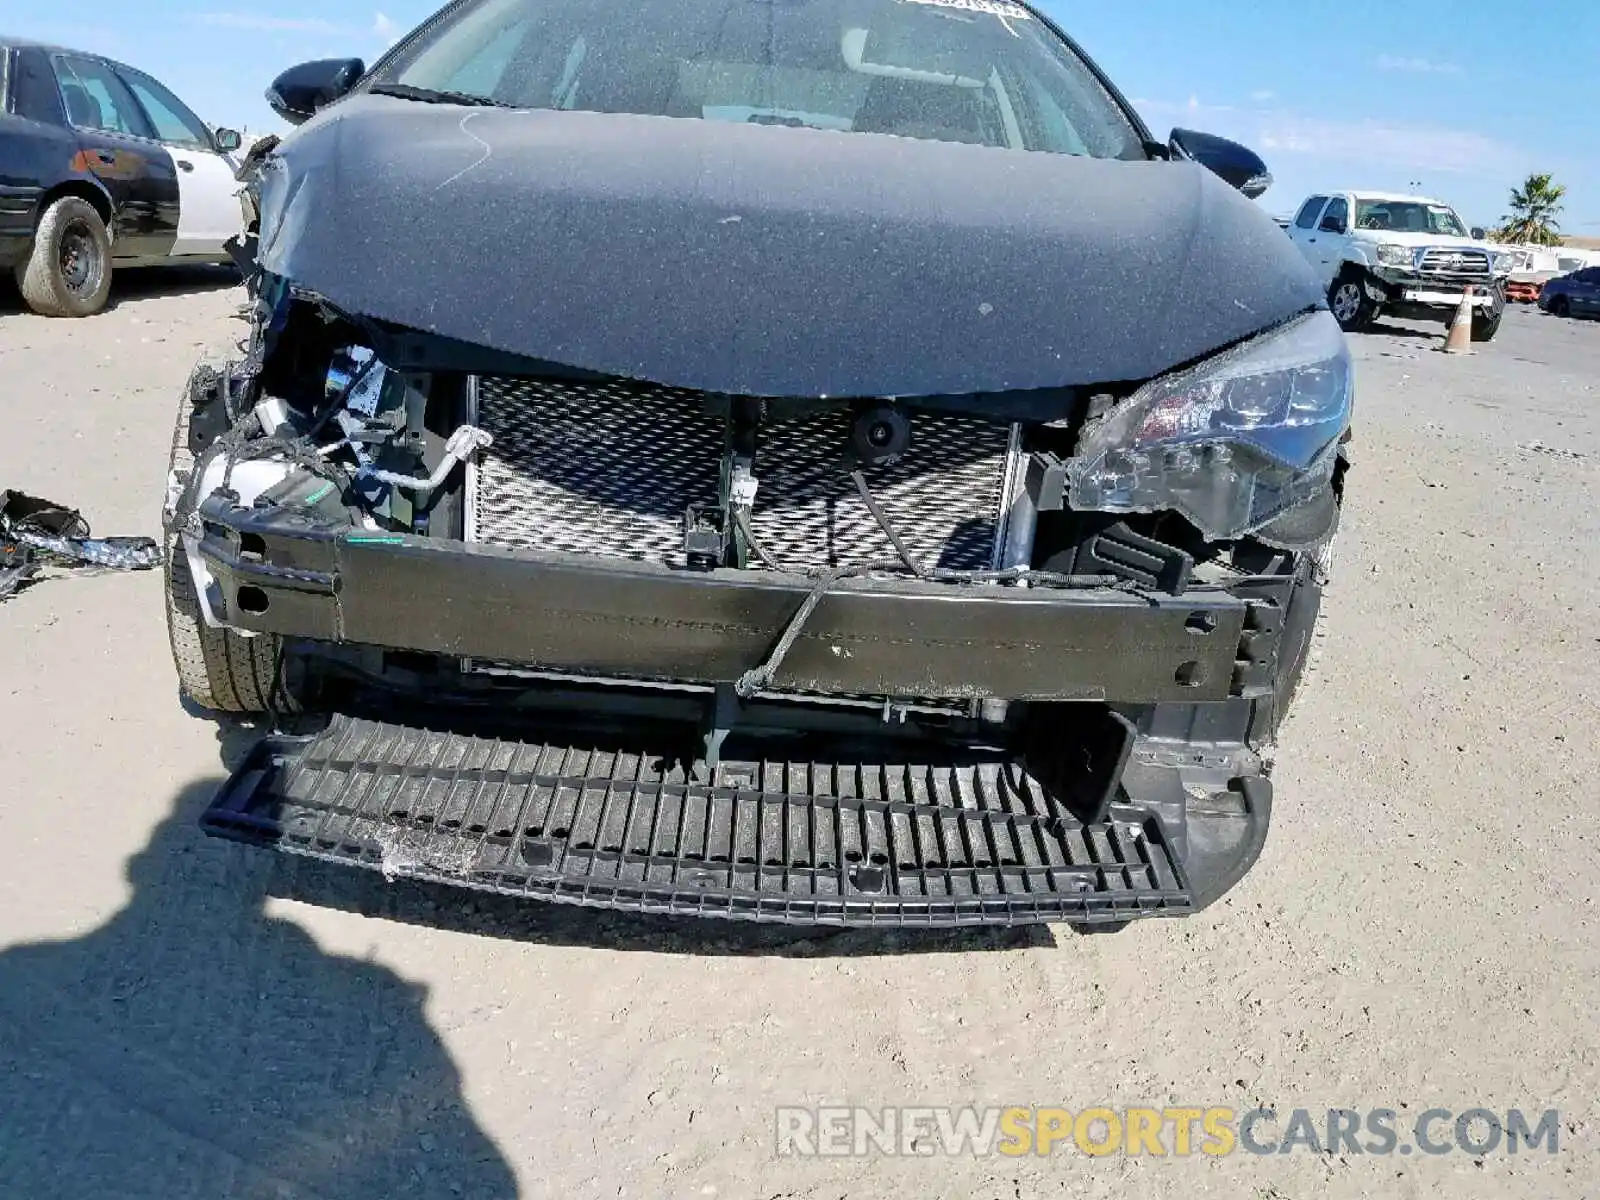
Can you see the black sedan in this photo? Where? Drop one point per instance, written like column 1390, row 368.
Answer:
column 101, row 165
column 819, row 461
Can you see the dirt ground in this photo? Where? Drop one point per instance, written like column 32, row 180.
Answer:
column 185, row 1018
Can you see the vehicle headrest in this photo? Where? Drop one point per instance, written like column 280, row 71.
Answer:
column 82, row 108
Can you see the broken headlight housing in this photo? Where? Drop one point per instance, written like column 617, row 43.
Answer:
column 1231, row 443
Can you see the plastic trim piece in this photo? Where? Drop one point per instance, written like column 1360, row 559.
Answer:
column 936, row 843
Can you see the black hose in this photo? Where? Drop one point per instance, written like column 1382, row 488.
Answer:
column 878, row 515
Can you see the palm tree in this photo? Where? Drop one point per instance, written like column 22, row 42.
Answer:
column 1534, row 206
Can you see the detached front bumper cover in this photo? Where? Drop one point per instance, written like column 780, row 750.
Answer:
column 815, row 843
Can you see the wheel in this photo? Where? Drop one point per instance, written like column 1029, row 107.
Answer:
column 1352, row 307
column 1486, row 324
column 68, row 274
column 1560, row 308
column 217, row 669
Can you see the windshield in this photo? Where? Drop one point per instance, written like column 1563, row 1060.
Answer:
column 980, row 71
column 1408, row 216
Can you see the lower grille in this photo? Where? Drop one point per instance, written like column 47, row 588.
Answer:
column 608, row 469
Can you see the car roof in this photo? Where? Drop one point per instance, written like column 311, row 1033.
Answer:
column 1394, row 197
column 18, row 43
column 21, row 43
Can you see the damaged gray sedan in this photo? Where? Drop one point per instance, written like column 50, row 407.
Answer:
column 816, row 461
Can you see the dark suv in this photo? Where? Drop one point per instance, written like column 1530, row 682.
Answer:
column 805, row 460
column 1575, row 294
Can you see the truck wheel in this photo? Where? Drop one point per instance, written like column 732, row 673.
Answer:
column 217, row 668
column 1560, row 308
column 1352, row 307
column 68, row 273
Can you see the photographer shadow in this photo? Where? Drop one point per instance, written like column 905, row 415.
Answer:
column 193, row 1045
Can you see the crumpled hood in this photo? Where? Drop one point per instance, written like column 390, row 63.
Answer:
column 770, row 261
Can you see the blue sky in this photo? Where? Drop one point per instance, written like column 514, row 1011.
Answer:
column 1359, row 93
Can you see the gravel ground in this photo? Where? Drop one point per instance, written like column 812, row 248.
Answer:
column 180, row 1017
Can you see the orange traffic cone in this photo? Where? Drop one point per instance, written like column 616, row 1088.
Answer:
column 1459, row 340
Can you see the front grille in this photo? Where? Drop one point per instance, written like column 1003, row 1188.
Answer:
column 1454, row 264
column 609, row 469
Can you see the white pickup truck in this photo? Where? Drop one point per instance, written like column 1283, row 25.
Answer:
column 1406, row 255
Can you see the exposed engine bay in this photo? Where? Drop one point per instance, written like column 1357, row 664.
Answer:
column 810, row 659
column 951, row 490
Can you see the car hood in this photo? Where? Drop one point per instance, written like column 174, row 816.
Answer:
column 770, row 261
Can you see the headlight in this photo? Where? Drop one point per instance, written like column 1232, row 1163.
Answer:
column 1394, row 256
column 1231, row 443
column 1505, row 262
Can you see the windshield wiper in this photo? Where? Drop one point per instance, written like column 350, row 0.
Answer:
column 406, row 91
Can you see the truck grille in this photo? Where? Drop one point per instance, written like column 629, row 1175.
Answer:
column 1454, row 264
column 609, row 468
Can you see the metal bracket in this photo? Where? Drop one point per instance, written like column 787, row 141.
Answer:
column 705, row 536
column 721, row 716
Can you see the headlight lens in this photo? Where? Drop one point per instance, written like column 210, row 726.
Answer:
column 1505, row 262
column 1390, row 255
column 1230, row 444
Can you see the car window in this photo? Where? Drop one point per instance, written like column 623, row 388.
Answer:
column 96, row 99
column 34, row 94
column 981, row 71
column 1592, row 275
column 1308, row 215
column 1408, row 216
column 1338, row 214
column 171, row 118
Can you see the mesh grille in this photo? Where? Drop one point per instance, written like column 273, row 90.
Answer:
column 608, row 469
column 593, row 468
column 942, row 498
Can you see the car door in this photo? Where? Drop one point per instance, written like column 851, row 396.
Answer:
column 1584, row 294
column 1328, row 243
column 1303, row 232
column 210, row 210
column 118, row 147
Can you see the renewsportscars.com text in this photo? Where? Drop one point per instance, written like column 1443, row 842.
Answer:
column 1159, row 1132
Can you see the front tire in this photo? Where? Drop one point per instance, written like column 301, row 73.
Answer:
column 218, row 669
column 1560, row 308
column 68, row 273
column 1352, row 307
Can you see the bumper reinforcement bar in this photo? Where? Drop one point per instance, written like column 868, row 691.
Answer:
column 925, row 843
column 276, row 572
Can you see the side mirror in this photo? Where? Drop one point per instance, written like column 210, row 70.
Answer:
column 1478, row 235
column 300, row 91
column 1236, row 165
column 228, row 140
column 1332, row 225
